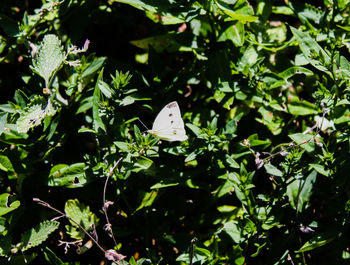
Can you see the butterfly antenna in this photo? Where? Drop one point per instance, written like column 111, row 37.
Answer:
column 143, row 124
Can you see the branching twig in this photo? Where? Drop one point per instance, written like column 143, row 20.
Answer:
column 292, row 144
column 45, row 204
column 105, row 205
column 109, row 254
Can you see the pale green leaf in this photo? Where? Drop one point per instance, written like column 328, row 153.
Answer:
column 38, row 109
column 81, row 214
column 49, row 58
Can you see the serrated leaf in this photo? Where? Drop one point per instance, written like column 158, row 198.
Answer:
column 39, row 234
column 80, row 213
column 49, row 58
column 37, row 110
column 5, row 245
column 7, row 206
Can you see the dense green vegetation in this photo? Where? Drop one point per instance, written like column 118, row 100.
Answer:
column 263, row 88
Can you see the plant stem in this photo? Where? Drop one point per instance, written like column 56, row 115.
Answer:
column 45, row 204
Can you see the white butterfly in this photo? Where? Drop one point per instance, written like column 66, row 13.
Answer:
column 169, row 125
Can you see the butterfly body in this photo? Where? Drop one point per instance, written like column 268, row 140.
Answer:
column 169, row 125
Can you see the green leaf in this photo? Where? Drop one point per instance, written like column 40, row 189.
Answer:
column 159, row 43
column 166, row 183
column 272, row 121
column 234, row 231
column 125, row 147
column 298, row 107
column 148, row 199
column 240, row 11
column 142, row 163
column 196, row 130
column 49, row 58
column 81, row 214
column 34, row 113
column 304, row 140
column 301, row 197
column 51, row 257
column 312, row 51
column 3, row 120
column 85, row 105
column 166, row 18
column 5, row 245
column 105, row 89
column 6, row 164
column 142, row 5
column 233, row 33
column 317, row 242
column 93, row 67
column 200, row 255
column 35, row 237
column 232, row 163
column 69, row 176
column 320, row 169
column 291, row 71
column 7, row 204
column 272, row 170
column 96, row 99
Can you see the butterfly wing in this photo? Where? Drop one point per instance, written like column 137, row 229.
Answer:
column 168, row 124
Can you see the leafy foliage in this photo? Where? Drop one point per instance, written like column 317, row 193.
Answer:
column 35, row 237
column 263, row 87
column 80, row 214
column 49, row 58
